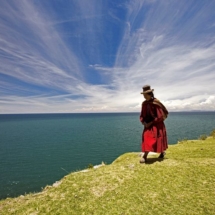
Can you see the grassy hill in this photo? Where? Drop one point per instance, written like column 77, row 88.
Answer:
column 182, row 183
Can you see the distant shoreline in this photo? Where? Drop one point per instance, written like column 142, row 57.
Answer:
column 193, row 111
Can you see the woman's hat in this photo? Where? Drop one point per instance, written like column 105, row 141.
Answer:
column 147, row 89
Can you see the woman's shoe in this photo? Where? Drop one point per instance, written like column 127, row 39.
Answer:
column 142, row 160
column 162, row 154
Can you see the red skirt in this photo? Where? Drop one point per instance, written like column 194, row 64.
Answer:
column 154, row 138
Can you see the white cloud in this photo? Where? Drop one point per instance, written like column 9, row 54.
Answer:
column 202, row 102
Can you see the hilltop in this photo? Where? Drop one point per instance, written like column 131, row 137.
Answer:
column 182, row 183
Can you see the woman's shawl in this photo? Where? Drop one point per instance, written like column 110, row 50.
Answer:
column 158, row 103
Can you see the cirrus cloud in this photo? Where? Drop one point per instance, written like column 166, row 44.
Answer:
column 76, row 56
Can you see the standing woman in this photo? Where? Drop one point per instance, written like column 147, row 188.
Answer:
column 152, row 116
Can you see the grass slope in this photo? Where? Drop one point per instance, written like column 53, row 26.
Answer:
column 182, row 183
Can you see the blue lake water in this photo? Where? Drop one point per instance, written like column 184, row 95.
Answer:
column 38, row 149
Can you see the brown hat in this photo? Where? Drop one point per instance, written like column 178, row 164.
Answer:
column 147, row 89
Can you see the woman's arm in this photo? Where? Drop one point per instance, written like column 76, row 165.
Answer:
column 141, row 115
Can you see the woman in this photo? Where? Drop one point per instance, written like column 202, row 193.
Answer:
column 153, row 114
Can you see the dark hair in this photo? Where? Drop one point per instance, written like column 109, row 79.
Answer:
column 151, row 94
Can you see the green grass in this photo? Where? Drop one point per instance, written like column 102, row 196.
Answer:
column 182, row 183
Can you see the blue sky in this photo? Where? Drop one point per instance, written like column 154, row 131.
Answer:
column 95, row 56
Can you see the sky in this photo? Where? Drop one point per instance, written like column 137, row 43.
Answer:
column 77, row 56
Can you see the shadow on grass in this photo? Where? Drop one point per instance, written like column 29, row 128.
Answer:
column 153, row 160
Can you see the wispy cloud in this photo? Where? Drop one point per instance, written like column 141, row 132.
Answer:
column 95, row 56
column 32, row 50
